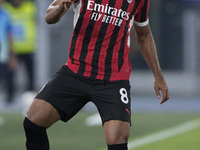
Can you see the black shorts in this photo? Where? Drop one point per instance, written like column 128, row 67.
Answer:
column 68, row 93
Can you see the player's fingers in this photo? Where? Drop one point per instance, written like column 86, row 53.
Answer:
column 165, row 95
column 157, row 91
column 67, row 1
column 65, row 6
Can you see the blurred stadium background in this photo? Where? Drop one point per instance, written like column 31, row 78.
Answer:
column 176, row 28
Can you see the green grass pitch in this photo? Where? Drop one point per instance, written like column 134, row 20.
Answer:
column 186, row 141
column 75, row 135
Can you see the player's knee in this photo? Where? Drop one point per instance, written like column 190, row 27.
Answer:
column 42, row 113
column 29, row 126
column 120, row 138
column 123, row 138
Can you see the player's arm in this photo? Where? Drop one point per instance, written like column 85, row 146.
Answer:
column 56, row 10
column 148, row 49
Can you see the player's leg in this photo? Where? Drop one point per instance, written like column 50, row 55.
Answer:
column 42, row 113
column 116, row 133
column 58, row 100
column 40, row 116
column 113, row 102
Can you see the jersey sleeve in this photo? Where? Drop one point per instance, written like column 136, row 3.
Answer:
column 141, row 18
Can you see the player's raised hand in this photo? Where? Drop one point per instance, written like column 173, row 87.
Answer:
column 56, row 10
column 160, row 85
column 65, row 4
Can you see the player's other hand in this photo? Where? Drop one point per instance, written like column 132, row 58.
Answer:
column 160, row 85
column 65, row 4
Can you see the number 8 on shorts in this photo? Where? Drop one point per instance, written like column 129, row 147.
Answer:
column 124, row 96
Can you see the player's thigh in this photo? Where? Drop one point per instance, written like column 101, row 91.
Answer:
column 116, row 131
column 42, row 113
column 113, row 101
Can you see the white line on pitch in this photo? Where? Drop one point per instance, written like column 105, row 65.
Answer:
column 165, row 134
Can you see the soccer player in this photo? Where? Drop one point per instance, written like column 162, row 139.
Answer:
column 97, row 69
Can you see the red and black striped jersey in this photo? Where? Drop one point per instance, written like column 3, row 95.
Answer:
column 100, row 41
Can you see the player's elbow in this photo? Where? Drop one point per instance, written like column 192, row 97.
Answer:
column 142, row 33
column 142, row 38
column 50, row 20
